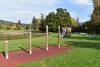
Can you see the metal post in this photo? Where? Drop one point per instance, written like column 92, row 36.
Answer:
column 6, row 49
column 47, row 37
column 30, row 37
column 58, row 36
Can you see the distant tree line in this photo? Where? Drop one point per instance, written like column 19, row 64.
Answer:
column 54, row 19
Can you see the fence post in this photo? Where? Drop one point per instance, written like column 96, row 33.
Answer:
column 30, row 38
column 47, row 37
column 6, row 49
column 58, row 36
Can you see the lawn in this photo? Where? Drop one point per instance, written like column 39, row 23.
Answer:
column 85, row 53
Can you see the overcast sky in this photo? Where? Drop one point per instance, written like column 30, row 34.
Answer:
column 24, row 10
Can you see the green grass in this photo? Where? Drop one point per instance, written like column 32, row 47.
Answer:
column 85, row 53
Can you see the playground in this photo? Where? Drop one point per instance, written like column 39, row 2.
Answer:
column 76, row 50
column 55, row 33
column 10, row 58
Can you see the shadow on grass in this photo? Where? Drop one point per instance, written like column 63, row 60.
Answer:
column 84, row 44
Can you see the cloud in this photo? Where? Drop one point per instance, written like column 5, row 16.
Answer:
column 24, row 10
column 82, row 2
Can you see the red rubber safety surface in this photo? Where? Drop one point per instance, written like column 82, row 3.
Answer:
column 20, row 57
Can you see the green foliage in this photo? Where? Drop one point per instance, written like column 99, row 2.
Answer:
column 7, row 25
column 95, row 17
column 27, row 27
column 51, row 21
column 17, row 26
column 35, row 24
column 74, row 23
column 60, row 17
column 93, row 24
column 42, row 23
column 3, row 26
column 63, row 17
column 97, row 28
column 96, row 3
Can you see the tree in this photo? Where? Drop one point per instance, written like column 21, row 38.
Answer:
column 95, row 17
column 18, row 25
column 51, row 21
column 19, row 22
column 63, row 17
column 13, row 27
column 74, row 23
column 96, row 3
column 42, row 22
column 35, row 24
column 60, row 17
column 8, row 27
column 3, row 26
column 27, row 27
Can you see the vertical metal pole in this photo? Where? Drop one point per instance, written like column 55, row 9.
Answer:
column 58, row 36
column 6, row 49
column 47, row 37
column 30, row 37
